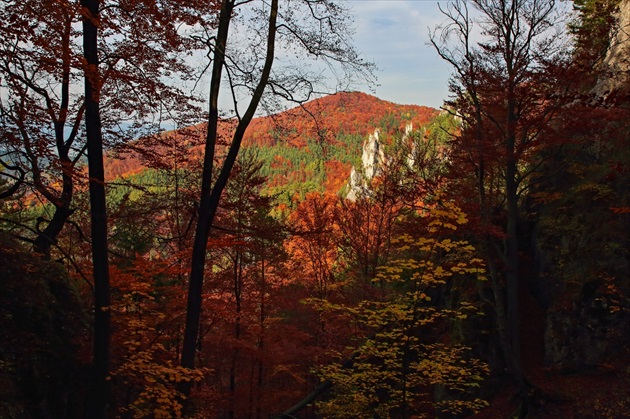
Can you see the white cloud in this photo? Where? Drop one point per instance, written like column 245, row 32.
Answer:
column 394, row 35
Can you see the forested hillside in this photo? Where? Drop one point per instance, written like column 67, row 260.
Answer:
column 305, row 149
column 339, row 257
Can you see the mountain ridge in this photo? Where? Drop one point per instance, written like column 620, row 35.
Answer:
column 343, row 112
column 339, row 121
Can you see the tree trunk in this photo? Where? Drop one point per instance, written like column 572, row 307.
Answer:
column 261, row 339
column 210, row 196
column 512, row 277
column 46, row 238
column 511, row 241
column 97, row 401
column 205, row 213
column 238, row 287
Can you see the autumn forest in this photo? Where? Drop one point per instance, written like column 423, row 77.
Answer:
column 202, row 217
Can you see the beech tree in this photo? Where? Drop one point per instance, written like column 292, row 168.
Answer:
column 396, row 366
column 42, row 105
column 313, row 246
column 118, row 58
column 240, row 213
column 98, row 394
column 241, row 67
column 366, row 226
column 506, row 94
column 40, row 114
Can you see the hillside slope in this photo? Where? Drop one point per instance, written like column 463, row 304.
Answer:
column 349, row 113
column 306, row 148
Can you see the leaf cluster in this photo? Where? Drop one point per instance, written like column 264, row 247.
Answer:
column 396, row 367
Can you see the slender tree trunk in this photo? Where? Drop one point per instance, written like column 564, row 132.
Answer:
column 210, row 195
column 238, row 286
column 512, row 277
column 511, row 241
column 499, row 306
column 46, row 238
column 261, row 339
column 487, row 242
column 97, row 402
column 205, row 213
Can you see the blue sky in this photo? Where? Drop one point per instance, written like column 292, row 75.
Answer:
column 394, row 35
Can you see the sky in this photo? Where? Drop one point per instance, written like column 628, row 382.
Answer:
column 394, row 35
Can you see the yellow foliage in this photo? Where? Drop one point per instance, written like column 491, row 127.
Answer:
column 394, row 368
column 157, row 381
column 146, row 366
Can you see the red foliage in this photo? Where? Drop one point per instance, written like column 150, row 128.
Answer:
column 324, row 118
column 345, row 112
column 336, row 175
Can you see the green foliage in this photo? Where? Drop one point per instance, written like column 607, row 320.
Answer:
column 397, row 367
column 592, row 28
column 441, row 128
column 149, row 211
column 297, row 171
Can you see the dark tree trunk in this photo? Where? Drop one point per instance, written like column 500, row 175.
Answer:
column 511, row 241
column 98, row 397
column 205, row 211
column 48, row 236
column 512, row 275
column 210, row 195
column 238, row 287
column 261, row 339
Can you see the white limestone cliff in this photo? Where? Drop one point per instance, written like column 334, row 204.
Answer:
column 616, row 63
column 373, row 160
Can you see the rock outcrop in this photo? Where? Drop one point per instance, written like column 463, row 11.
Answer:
column 616, row 64
column 372, row 161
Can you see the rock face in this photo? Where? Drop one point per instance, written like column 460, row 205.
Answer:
column 583, row 283
column 616, row 64
column 582, row 254
column 373, row 155
column 372, row 161
column 586, row 334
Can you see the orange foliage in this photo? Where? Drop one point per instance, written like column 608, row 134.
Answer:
column 313, row 247
column 323, row 119
column 337, row 174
